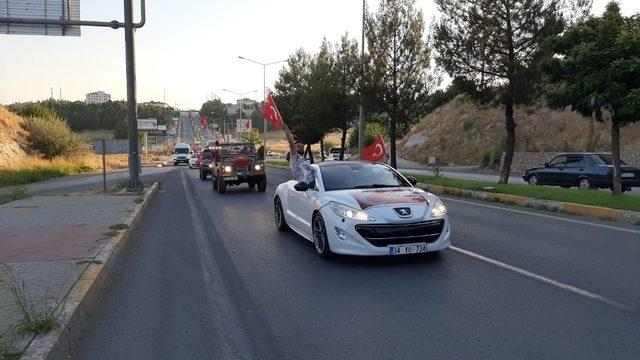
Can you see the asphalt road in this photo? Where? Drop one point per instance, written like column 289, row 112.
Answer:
column 208, row 276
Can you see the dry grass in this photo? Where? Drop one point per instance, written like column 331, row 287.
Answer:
column 11, row 126
column 462, row 132
column 276, row 141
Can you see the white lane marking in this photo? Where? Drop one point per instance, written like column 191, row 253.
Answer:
column 632, row 231
column 546, row 280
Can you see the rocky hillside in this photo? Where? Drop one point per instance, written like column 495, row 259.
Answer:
column 463, row 132
column 12, row 142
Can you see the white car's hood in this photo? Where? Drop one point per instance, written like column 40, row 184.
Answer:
column 381, row 203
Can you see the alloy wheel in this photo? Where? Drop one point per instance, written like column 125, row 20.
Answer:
column 584, row 184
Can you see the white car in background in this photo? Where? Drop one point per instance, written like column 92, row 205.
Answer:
column 334, row 154
column 361, row 208
column 192, row 160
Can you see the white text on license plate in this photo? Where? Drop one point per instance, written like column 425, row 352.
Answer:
column 407, row 249
column 231, row 178
column 629, row 175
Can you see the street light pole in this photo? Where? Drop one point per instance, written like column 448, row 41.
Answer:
column 264, row 98
column 360, row 108
column 135, row 185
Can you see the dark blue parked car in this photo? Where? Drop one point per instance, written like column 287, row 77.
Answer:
column 584, row 170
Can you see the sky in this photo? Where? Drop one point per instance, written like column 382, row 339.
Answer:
column 188, row 50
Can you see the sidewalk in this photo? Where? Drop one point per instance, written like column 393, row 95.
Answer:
column 46, row 242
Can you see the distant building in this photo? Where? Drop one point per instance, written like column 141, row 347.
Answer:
column 248, row 107
column 97, row 97
column 155, row 103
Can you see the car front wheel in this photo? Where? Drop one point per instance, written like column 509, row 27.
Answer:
column 278, row 214
column 222, row 186
column 534, row 180
column 320, row 240
column 584, row 184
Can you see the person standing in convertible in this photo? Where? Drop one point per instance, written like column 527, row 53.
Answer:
column 300, row 166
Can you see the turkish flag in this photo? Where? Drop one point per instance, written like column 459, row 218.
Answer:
column 203, row 121
column 376, row 151
column 271, row 112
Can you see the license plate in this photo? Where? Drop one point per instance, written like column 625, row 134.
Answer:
column 407, row 249
column 231, row 178
column 628, row 175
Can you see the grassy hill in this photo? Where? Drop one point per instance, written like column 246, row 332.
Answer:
column 464, row 132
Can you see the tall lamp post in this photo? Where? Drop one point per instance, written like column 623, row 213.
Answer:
column 360, row 108
column 264, row 96
column 240, row 95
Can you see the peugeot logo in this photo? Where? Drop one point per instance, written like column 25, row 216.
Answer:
column 403, row 212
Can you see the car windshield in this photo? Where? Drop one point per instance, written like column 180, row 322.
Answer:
column 207, row 154
column 182, row 151
column 360, row 176
column 604, row 159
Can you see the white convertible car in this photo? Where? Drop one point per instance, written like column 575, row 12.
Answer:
column 361, row 208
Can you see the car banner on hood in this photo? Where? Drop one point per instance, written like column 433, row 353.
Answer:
column 388, row 196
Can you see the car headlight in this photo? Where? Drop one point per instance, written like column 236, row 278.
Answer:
column 347, row 212
column 258, row 167
column 210, row 166
column 438, row 209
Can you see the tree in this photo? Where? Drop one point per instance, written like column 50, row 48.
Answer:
column 214, row 110
column 347, row 73
column 597, row 72
column 397, row 78
column 252, row 136
column 499, row 45
column 299, row 97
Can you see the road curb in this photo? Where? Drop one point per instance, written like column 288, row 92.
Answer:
column 277, row 166
column 80, row 305
column 596, row 212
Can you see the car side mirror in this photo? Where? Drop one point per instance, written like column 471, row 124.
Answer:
column 546, row 165
column 301, row 186
column 412, row 180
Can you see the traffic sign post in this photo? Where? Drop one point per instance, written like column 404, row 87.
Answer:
column 62, row 17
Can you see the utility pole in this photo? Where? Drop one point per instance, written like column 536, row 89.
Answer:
column 361, row 109
column 135, row 184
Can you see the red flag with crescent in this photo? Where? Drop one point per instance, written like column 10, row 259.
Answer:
column 376, row 152
column 203, row 121
column 271, row 112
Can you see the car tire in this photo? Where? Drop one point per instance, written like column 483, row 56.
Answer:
column 320, row 239
column 222, row 186
column 252, row 185
column 278, row 214
column 262, row 185
column 584, row 184
column 214, row 182
column 175, row 163
column 533, row 180
column 203, row 175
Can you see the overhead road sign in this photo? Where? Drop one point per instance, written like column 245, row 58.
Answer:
column 43, row 10
column 23, row 12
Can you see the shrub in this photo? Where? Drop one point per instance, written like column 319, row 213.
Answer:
column 36, row 110
column 369, row 134
column 51, row 137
